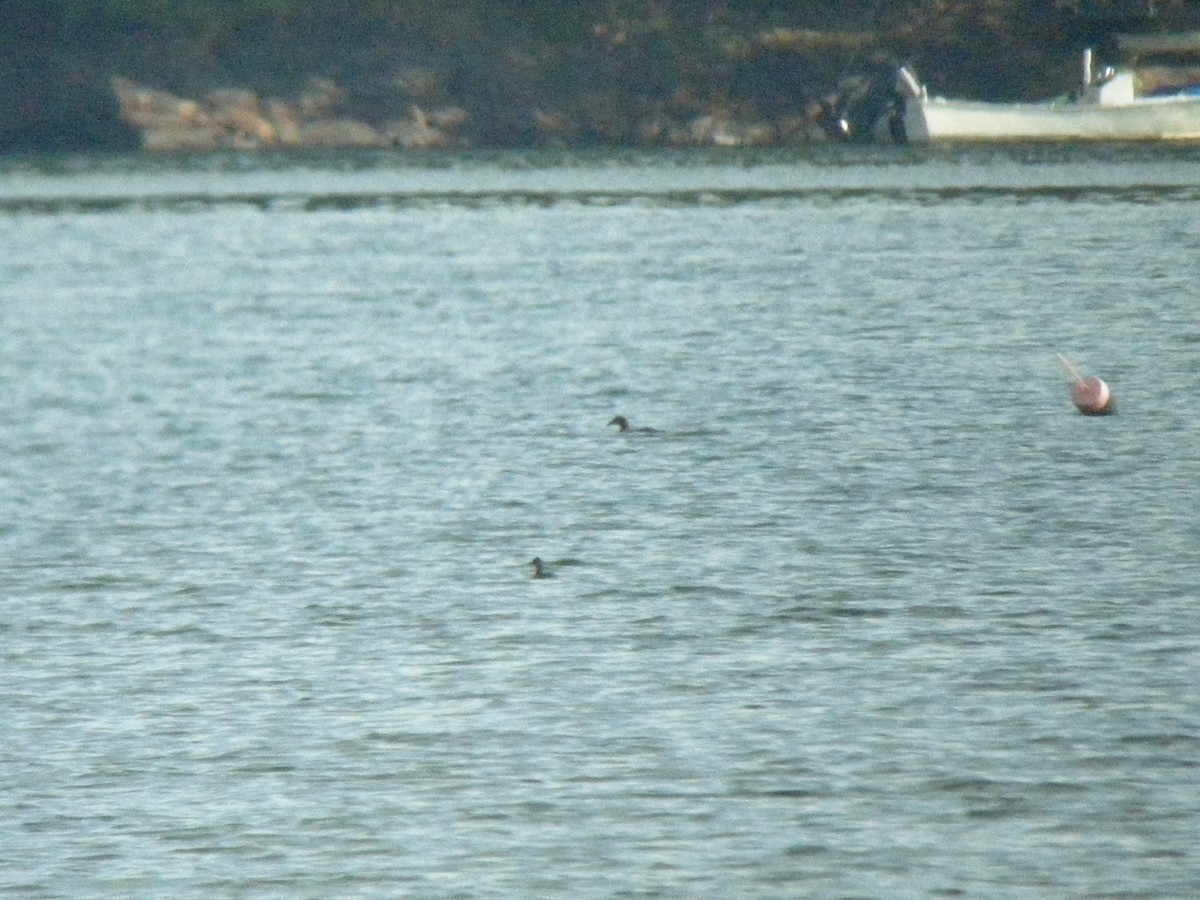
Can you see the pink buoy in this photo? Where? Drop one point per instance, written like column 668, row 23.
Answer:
column 1090, row 395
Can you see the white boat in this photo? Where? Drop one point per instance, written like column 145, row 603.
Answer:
column 1108, row 107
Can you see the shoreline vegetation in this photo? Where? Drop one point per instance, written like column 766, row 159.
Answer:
column 202, row 75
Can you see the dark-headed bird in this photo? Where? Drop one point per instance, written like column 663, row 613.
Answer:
column 623, row 425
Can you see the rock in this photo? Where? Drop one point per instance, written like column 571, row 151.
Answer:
column 173, row 124
column 425, row 130
column 181, row 137
column 341, row 133
column 145, row 107
column 448, row 118
column 234, row 119
column 167, row 123
column 286, row 122
column 797, row 40
column 238, row 114
column 320, row 98
column 721, row 130
column 800, row 129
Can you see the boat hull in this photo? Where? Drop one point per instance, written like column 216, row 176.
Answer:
column 1156, row 119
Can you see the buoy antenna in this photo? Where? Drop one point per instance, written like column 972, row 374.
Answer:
column 1071, row 370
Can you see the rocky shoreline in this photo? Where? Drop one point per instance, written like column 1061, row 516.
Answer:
column 322, row 117
column 206, row 76
column 238, row 119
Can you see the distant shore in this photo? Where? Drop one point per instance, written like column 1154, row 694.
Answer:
column 167, row 79
column 320, row 118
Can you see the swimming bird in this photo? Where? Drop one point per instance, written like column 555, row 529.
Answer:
column 539, row 568
column 623, row 424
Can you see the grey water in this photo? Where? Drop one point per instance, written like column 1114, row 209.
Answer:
column 877, row 614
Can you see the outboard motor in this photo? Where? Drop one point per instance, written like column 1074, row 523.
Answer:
column 832, row 120
column 856, row 108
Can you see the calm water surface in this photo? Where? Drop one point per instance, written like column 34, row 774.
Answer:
column 876, row 615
